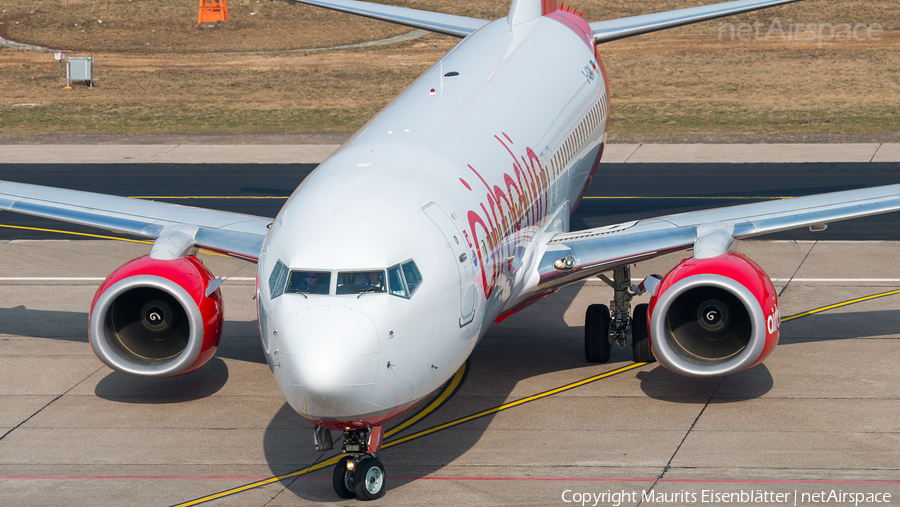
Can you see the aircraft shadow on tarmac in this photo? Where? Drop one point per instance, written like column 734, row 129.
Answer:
column 205, row 381
column 535, row 342
column 240, row 341
column 838, row 326
column 198, row 384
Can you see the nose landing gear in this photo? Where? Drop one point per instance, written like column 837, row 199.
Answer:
column 360, row 474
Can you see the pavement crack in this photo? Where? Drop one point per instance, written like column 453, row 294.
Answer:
column 876, row 152
column 166, row 153
column 49, row 403
column 632, row 153
column 672, row 458
column 282, row 490
column 794, row 274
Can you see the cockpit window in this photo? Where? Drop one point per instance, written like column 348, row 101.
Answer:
column 403, row 279
column 395, row 282
column 277, row 279
column 360, row 282
column 413, row 277
column 309, row 282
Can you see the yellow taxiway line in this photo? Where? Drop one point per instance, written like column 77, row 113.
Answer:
column 74, row 233
column 448, row 391
column 838, row 305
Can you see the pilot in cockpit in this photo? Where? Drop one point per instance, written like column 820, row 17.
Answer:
column 372, row 279
column 305, row 282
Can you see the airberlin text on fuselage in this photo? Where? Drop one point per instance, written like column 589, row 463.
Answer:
column 519, row 201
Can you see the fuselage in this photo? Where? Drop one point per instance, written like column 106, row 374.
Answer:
column 447, row 193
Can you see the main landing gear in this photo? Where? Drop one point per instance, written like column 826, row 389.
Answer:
column 603, row 328
column 359, row 474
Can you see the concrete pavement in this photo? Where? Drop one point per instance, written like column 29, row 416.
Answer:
column 820, row 414
column 316, row 153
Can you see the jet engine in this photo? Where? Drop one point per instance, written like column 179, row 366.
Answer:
column 157, row 318
column 714, row 316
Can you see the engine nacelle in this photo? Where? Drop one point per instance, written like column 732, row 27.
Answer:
column 714, row 316
column 157, row 318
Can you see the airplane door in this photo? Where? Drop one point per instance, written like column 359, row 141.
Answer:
column 460, row 257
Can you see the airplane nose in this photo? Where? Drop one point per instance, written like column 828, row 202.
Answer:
column 331, row 353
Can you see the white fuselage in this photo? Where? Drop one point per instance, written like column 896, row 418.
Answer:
column 463, row 173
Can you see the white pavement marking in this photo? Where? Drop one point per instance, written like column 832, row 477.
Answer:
column 778, row 280
column 316, row 153
column 93, row 278
column 835, row 280
column 590, row 280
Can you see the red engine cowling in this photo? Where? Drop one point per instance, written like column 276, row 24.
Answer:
column 154, row 318
column 714, row 316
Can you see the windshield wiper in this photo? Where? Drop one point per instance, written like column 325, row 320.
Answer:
column 365, row 291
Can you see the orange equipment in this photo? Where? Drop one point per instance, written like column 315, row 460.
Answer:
column 212, row 11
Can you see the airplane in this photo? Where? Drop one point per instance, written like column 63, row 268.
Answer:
column 445, row 213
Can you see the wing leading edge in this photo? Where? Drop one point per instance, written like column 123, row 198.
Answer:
column 604, row 248
column 603, row 31
column 233, row 234
column 447, row 24
column 614, row 29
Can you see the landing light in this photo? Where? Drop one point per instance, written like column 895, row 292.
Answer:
column 565, row 264
column 351, row 464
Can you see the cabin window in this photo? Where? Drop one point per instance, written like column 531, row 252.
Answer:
column 277, row 279
column 309, row 282
column 361, row 282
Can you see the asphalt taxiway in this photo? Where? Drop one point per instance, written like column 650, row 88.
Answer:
column 619, row 192
column 528, row 423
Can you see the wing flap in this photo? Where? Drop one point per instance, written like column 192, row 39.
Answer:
column 231, row 233
column 614, row 29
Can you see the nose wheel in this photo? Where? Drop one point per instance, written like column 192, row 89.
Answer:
column 342, row 479
column 361, row 477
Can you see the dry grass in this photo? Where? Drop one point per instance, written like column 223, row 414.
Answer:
column 675, row 84
column 169, row 26
column 331, row 91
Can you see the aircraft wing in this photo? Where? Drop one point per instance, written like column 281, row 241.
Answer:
column 447, row 24
column 221, row 231
column 605, row 31
column 593, row 251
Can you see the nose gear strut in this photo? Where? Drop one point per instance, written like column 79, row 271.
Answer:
column 360, row 474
